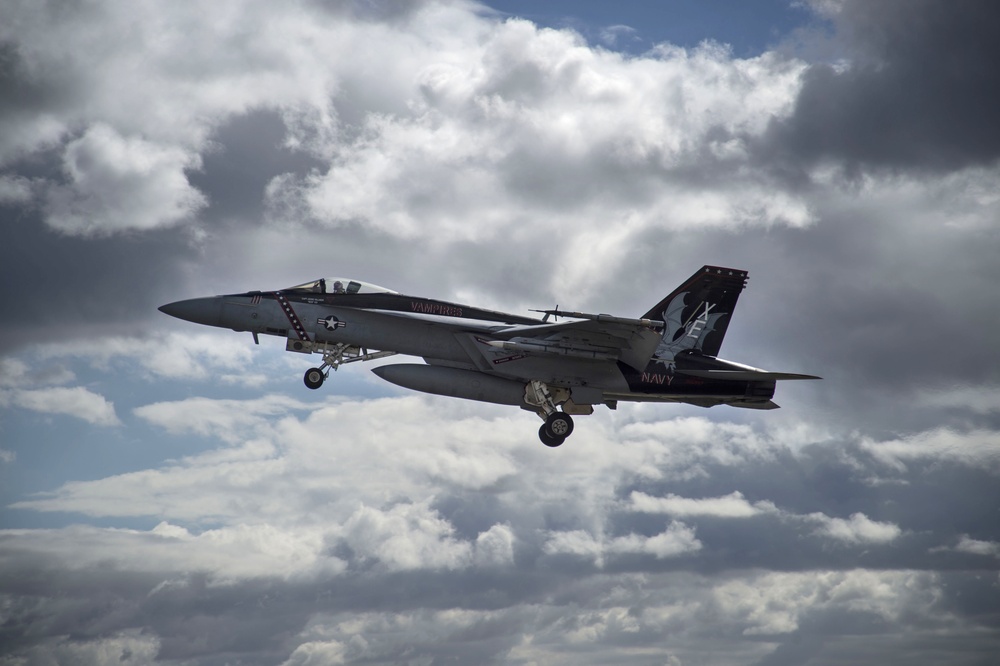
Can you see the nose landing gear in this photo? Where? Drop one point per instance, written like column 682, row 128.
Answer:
column 334, row 355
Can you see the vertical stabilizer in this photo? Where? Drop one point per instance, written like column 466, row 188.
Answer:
column 697, row 313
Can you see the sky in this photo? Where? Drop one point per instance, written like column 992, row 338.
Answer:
column 173, row 494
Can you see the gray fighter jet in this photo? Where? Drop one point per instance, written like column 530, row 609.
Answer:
column 558, row 369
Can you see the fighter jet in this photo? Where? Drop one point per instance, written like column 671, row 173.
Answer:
column 560, row 365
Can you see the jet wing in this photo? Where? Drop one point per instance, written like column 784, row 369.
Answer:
column 599, row 337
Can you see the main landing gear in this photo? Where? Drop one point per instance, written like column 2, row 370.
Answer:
column 333, row 357
column 558, row 424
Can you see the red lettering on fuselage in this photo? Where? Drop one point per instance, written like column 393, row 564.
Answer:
column 436, row 309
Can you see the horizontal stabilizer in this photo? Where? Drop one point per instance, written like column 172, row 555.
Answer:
column 744, row 375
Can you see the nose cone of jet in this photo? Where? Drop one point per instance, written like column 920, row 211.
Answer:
column 207, row 311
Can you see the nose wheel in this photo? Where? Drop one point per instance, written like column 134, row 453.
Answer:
column 314, row 378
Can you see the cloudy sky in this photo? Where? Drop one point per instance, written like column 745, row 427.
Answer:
column 174, row 494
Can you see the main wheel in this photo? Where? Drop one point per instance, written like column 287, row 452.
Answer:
column 559, row 424
column 314, row 378
column 548, row 439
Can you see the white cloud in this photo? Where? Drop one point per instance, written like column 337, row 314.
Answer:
column 530, row 119
column 406, row 536
column 775, row 603
column 975, row 399
column 677, row 539
column 13, row 372
column 682, row 447
column 576, row 542
column 668, row 615
column 977, row 547
column 610, row 35
column 495, row 546
column 233, row 552
column 149, row 84
column 339, row 491
column 15, row 190
column 402, row 537
column 413, row 636
column 733, row 505
column 284, row 455
column 131, row 646
column 317, row 653
column 119, row 183
column 359, row 460
column 77, row 402
column 859, row 528
column 460, row 116
column 192, row 355
column 854, row 530
column 228, row 420
column 975, row 448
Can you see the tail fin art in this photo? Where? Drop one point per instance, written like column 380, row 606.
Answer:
column 697, row 313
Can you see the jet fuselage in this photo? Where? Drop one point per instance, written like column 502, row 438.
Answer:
column 669, row 355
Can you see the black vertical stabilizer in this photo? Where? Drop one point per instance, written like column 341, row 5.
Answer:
column 697, row 313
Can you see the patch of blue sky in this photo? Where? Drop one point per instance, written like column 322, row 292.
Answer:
column 635, row 26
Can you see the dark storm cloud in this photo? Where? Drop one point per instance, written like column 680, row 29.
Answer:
column 61, row 287
column 26, row 92
column 19, row 93
column 246, row 153
column 379, row 11
column 921, row 89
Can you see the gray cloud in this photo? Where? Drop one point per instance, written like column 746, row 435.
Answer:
column 82, row 288
column 918, row 90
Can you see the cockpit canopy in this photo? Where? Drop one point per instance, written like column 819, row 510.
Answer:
column 341, row 286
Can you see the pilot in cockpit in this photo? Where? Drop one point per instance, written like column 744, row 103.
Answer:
column 338, row 287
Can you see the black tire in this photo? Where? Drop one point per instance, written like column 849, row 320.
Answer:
column 559, row 424
column 549, row 440
column 314, row 378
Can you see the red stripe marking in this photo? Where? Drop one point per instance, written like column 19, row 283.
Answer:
column 293, row 318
